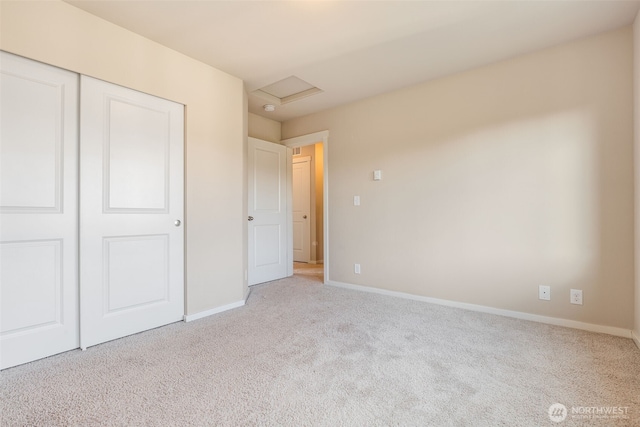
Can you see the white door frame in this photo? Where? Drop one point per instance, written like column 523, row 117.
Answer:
column 312, row 139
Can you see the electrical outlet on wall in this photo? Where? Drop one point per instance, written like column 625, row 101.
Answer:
column 576, row 296
column 544, row 293
column 356, row 268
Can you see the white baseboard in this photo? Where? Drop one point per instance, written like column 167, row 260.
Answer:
column 620, row 332
column 636, row 338
column 200, row 315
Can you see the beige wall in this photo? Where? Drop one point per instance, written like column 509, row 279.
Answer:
column 62, row 35
column 495, row 181
column 263, row 128
column 636, row 81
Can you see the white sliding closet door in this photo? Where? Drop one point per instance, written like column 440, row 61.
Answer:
column 38, row 210
column 131, row 212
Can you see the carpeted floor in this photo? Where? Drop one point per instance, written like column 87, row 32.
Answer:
column 303, row 354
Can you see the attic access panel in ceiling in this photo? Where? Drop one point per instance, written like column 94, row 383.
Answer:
column 287, row 90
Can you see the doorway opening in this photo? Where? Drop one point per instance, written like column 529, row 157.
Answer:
column 310, row 220
column 314, row 272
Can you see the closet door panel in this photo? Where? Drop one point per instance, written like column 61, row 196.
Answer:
column 38, row 210
column 131, row 232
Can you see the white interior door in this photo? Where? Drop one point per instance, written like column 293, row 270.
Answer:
column 301, row 209
column 38, row 210
column 269, row 240
column 131, row 235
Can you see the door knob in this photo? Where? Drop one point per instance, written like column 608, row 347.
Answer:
column 305, row 217
column 177, row 223
column 250, row 218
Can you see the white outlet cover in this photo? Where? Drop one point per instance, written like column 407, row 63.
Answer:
column 575, row 296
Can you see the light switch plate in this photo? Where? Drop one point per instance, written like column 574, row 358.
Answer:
column 544, row 293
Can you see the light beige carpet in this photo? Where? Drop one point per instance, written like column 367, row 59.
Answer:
column 303, row 354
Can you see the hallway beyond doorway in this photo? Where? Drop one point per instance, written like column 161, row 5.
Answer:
column 310, row 271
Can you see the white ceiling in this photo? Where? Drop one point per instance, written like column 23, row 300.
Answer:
column 355, row 49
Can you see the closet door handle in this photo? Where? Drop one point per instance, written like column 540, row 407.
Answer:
column 177, row 223
column 250, row 218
